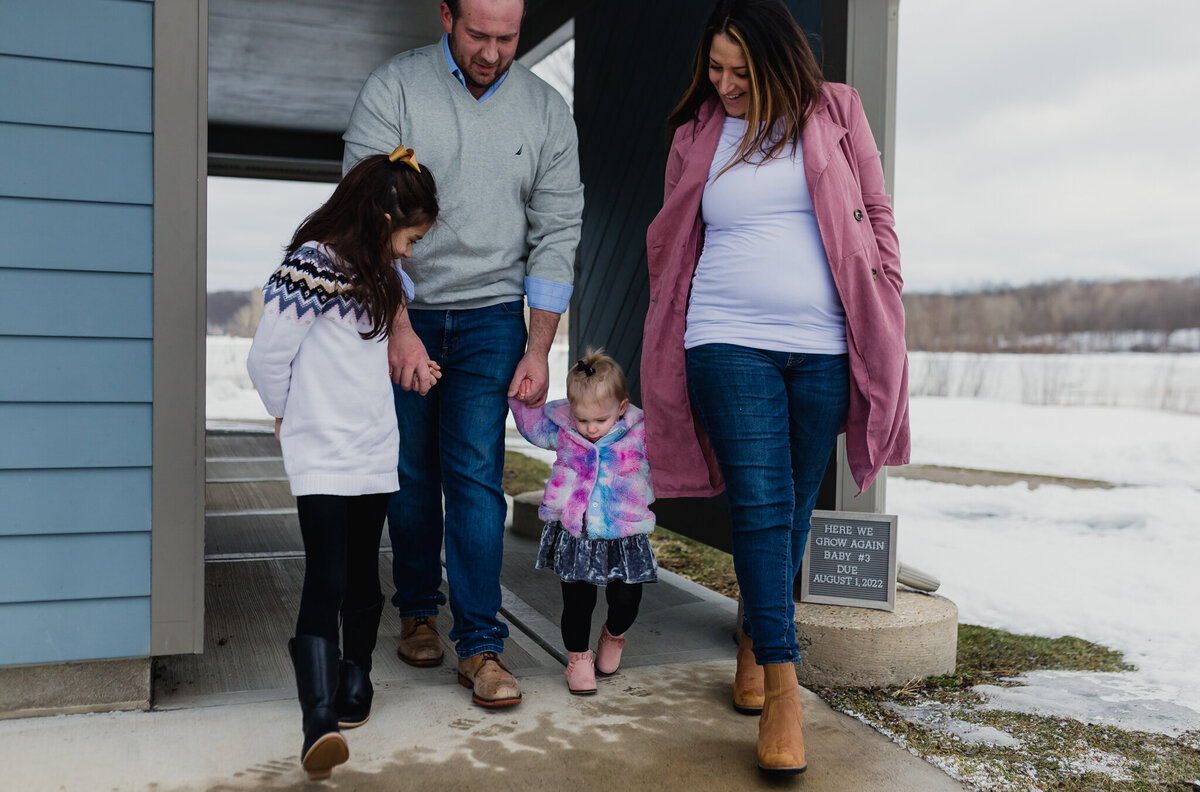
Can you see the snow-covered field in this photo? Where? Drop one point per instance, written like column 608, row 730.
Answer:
column 1128, row 379
column 1116, row 566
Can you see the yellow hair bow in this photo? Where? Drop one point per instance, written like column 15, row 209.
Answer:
column 406, row 156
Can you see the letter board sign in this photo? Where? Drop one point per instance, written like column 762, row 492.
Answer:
column 850, row 559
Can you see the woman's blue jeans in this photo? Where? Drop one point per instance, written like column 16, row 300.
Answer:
column 773, row 420
column 452, row 441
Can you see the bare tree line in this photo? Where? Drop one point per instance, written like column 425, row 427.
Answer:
column 1029, row 318
column 1026, row 319
column 234, row 313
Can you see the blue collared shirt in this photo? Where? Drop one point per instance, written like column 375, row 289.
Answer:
column 457, row 72
column 545, row 295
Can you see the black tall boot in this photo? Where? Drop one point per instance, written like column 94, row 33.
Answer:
column 360, row 627
column 316, row 662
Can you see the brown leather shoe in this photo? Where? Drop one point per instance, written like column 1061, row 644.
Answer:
column 748, row 680
column 491, row 684
column 780, row 728
column 419, row 642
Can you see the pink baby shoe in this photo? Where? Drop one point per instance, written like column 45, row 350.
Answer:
column 608, row 651
column 580, row 673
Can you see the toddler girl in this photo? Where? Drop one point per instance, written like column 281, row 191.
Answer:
column 319, row 361
column 597, row 510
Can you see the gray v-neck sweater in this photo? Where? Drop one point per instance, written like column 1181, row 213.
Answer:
column 507, row 171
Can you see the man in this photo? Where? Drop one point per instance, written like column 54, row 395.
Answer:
column 503, row 148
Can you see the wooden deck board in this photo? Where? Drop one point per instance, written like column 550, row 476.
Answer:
column 239, row 496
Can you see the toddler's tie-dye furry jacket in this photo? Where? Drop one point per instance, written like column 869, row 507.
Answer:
column 604, row 485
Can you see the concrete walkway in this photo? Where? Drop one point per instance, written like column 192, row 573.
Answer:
column 228, row 719
column 651, row 728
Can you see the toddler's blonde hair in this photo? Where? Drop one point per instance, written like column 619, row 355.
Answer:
column 595, row 377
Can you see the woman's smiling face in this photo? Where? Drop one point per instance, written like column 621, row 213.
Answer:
column 729, row 74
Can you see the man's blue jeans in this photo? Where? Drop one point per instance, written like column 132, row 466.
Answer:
column 773, row 420
column 452, row 441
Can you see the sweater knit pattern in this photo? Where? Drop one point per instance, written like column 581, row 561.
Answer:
column 308, row 285
column 602, row 489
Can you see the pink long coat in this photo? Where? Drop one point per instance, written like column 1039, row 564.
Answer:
column 854, row 214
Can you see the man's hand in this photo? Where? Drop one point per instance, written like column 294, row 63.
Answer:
column 531, row 379
column 408, row 363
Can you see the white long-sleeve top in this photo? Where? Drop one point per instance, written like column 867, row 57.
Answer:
column 763, row 279
column 331, row 386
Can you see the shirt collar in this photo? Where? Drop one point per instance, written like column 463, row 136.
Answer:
column 457, row 72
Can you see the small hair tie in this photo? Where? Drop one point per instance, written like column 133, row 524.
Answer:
column 584, row 368
column 406, row 156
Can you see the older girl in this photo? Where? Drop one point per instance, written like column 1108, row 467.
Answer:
column 319, row 361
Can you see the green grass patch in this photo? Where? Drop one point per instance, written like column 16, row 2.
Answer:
column 695, row 561
column 523, row 473
column 986, row 655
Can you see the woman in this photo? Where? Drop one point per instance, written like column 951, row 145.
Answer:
column 775, row 322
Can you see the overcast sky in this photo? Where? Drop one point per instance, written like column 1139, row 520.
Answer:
column 1046, row 139
column 1035, row 140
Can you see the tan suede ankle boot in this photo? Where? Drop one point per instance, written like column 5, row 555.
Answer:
column 780, row 731
column 748, row 679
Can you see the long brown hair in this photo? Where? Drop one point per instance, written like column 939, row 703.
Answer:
column 785, row 80
column 353, row 224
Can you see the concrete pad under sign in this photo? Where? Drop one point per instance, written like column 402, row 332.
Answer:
column 525, row 520
column 858, row 647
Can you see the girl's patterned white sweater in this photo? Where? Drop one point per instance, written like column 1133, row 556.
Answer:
column 331, row 387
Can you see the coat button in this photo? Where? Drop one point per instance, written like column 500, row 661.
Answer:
column 873, row 274
column 858, row 215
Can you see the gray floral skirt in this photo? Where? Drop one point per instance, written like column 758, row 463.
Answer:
column 597, row 561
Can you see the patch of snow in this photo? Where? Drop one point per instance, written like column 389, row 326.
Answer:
column 1140, row 380
column 1094, row 761
column 228, row 393
column 936, row 716
column 1111, row 566
column 1119, row 445
column 1107, row 699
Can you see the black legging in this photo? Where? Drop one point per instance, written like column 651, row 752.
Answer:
column 579, row 599
column 341, row 558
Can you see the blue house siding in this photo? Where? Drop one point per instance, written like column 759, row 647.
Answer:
column 74, row 436
column 117, row 32
column 101, row 499
column 97, row 97
column 92, row 566
column 56, row 632
column 76, row 164
column 76, row 335
column 76, row 370
column 76, row 304
column 103, row 238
